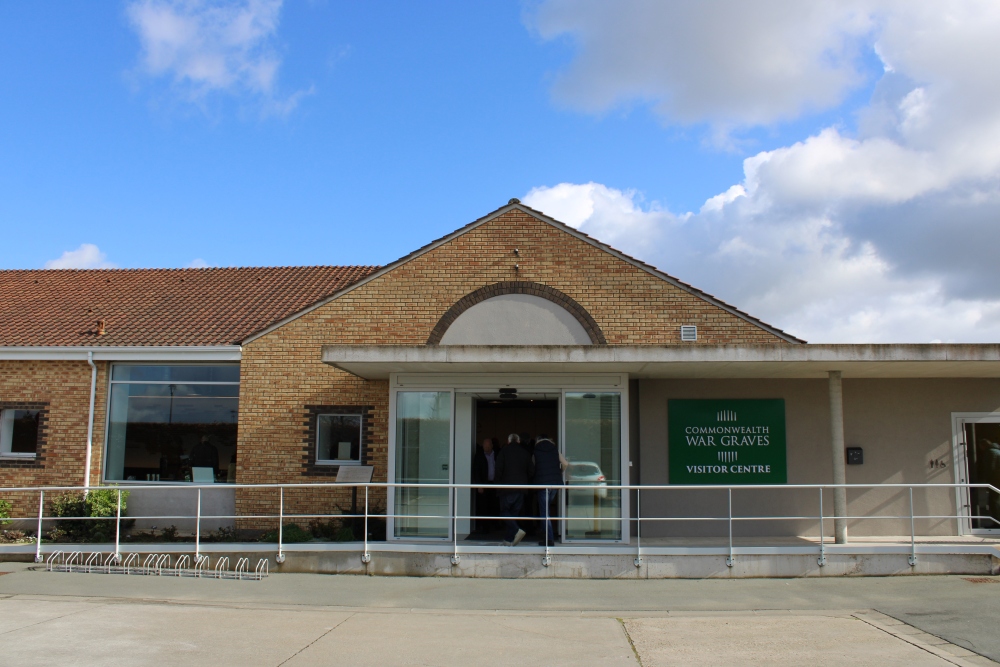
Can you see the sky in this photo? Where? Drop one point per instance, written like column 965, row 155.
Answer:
column 830, row 167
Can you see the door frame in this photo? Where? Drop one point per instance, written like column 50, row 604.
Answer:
column 390, row 502
column 525, row 383
column 960, row 458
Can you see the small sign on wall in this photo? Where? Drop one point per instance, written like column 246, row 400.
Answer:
column 354, row 474
column 727, row 441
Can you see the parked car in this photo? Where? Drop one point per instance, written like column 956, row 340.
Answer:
column 587, row 473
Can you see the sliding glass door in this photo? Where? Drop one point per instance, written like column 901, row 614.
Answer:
column 593, row 447
column 423, row 456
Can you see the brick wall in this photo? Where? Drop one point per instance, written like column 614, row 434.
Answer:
column 61, row 389
column 282, row 374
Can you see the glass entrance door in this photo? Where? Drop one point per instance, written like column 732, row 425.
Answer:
column 592, row 444
column 982, row 457
column 423, row 455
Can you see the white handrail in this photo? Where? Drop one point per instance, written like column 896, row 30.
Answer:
column 452, row 516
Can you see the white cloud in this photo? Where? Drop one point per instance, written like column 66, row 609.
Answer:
column 728, row 62
column 801, row 274
column 206, row 46
column 198, row 264
column 889, row 233
column 87, row 256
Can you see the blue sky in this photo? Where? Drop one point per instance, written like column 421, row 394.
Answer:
column 353, row 133
column 422, row 117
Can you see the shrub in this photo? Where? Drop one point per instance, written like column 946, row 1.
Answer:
column 5, row 508
column 97, row 504
column 292, row 532
column 225, row 534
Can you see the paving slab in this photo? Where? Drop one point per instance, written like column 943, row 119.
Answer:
column 552, row 619
column 773, row 641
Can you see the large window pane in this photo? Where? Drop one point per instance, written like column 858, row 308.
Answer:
column 594, row 452
column 172, row 432
column 192, row 373
column 423, row 451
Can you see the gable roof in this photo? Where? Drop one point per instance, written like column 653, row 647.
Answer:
column 516, row 204
column 157, row 307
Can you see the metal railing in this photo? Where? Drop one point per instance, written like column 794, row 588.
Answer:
column 452, row 517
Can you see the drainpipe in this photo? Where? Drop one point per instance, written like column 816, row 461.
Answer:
column 90, row 420
column 839, row 466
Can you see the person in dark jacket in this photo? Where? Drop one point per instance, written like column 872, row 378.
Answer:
column 484, row 472
column 549, row 466
column 515, row 468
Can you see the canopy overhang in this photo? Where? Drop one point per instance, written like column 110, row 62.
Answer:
column 377, row 362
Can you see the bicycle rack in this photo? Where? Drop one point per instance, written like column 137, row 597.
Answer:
column 94, row 560
column 54, row 558
column 181, row 566
column 131, row 561
column 154, row 564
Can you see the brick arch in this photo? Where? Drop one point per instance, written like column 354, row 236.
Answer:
column 518, row 287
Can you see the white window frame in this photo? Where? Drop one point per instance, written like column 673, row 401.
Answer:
column 361, row 442
column 7, row 435
column 107, row 408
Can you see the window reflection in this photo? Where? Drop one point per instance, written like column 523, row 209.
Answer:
column 172, row 432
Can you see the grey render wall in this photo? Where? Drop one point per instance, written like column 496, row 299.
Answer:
column 516, row 319
column 902, row 424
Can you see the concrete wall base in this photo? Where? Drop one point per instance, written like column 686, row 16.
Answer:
column 576, row 566
column 623, row 567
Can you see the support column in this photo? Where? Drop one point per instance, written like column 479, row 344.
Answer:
column 839, row 457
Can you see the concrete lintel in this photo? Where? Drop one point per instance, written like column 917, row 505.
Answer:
column 706, row 361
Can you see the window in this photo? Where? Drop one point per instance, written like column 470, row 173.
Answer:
column 173, row 423
column 338, row 439
column 19, row 433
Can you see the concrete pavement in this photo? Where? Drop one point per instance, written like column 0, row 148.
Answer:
column 298, row 619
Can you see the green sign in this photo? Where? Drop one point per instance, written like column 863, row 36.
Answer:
column 739, row 441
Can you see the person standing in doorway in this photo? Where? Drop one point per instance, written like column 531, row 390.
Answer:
column 514, row 467
column 549, row 466
column 484, row 472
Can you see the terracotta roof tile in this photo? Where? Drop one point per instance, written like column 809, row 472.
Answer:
column 158, row 306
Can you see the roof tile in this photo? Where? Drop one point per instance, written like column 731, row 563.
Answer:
column 158, row 306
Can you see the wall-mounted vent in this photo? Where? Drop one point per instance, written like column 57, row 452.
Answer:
column 689, row 332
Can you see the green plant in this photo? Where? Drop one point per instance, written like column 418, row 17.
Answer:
column 88, row 517
column 5, row 508
column 291, row 532
column 224, row 534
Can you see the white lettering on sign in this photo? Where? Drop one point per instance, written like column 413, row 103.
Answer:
column 735, row 430
column 739, row 470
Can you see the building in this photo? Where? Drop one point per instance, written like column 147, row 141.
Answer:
column 287, row 375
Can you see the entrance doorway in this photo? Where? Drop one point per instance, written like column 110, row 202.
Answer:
column 496, row 417
column 437, row 428
column 982, row 460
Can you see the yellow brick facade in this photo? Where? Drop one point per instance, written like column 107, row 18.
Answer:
column 61, row 389
column 282, row 375
column 282, row 372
